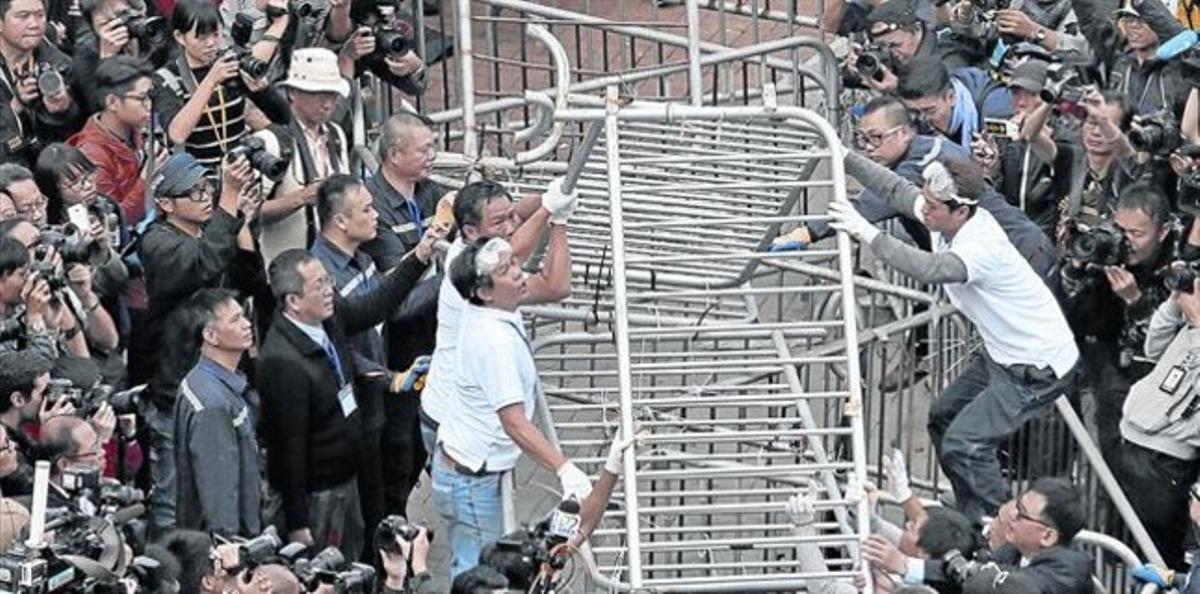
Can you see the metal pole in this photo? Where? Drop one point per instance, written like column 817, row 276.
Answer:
column 1111, row 486
column 695, row 84
column 466, row 73
column 580, row 158
column 621, row 311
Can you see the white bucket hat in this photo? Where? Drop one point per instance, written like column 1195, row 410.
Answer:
column 315, row 70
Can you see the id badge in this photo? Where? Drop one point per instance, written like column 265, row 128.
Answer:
column 346, row 399
column 1172, row 380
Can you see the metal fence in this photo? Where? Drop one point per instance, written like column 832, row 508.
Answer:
column 718, row 338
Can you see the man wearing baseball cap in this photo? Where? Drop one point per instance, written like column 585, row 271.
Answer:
column 317, row 149
column 192, row 245
column 895, row 27
column 1030, row 355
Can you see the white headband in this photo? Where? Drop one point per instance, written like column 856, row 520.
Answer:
column 494, row 252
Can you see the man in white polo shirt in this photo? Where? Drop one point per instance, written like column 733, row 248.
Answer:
column 483, row 209
column 1029, row 355
column 490, row 425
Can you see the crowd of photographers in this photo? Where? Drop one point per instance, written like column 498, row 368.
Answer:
column 1043, row 157
column 214, row 338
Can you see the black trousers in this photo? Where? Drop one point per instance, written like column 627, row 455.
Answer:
column 1157, row 486
column 403, row 451
column 370, row 486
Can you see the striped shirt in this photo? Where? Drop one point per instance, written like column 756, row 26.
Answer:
column 222, row 122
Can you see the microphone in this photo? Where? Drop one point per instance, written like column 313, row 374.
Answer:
column 1176, row 45
column 565, row 521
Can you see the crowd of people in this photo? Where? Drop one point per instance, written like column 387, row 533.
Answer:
column 1041, row 161
column 217, row 331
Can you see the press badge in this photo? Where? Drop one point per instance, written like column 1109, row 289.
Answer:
column 1173, row 379
column 346, row 399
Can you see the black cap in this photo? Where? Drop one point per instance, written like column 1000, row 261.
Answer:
column 895, row 13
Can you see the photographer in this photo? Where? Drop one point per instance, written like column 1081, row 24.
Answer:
column 24, row 376
column 385, row 45
column 1106, row 167
column 898, row 36
column 68, row 441
column 273, row 23
column 201, row 94
column 1042, row 523
column 113, row 139
column 1159, row 456
column 31, row 111
column 1125, row 42
column 24, row 303
column 192, row 245
column 315, row 148
column 414, row 553
column 943, row 531
column 115, row 28
column 1109, row 304
column 1050, row 24
column 954, row 105
column 216, row 447
column 206, row 568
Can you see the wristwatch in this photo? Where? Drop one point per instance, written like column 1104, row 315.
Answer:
column 1040, row 35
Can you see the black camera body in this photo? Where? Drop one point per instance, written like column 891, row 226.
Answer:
column 874, row 62
column 1065, row 89
column 72, row 243
column 395, row 526
column 255, row 151
column 1155, row 133
column 22, row 570
column 239, row 33
column 301, row 9
column 1181, row 276
column 1092, row 247
column 321, row 569
column 151, row 30
column 258, row 550
column 87, row 403
column 958, row 568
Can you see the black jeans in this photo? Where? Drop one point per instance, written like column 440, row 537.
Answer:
column 1157, row 487
column 1110, row 385
column 971, row 417
column 404, row 450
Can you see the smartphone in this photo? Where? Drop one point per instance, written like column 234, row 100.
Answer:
column 1001, row 128
column 77, row 214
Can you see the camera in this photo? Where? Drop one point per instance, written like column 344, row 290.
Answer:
column 1156, row 133
column 258, row 550
column 23, row 570
column 1065, row 89
column 123, row 402
column 1181, row 276
column 321, row 569
column 59, row 389
column 393, row 36
column 255, row 151
column 239, row 33
column 78, row 479
column 49, row 79
column 300, row 9
column 874, row 62
column 151, row 30
column 1101, row 244
column 959, row 569
column 395, row 526
column 11, row 328
column 75, row 246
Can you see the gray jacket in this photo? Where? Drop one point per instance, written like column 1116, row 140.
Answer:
column 217, row 461
column 1160, row 411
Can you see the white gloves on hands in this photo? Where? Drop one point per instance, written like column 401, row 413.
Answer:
column 560, row 205
column 896, row 472
column 801, row 508
column 615, row 464
column 574, row 482
column 846, row 218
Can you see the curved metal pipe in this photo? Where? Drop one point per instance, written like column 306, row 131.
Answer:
column 562, row 82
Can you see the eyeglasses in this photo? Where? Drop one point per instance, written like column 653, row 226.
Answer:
column 198, row 195
column 143, row 99
column 82, row 182
column 1023, row 514
column 35, row 204
column 874, row 139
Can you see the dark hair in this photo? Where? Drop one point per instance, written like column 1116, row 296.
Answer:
column 191, row 548
column 466, row 280
column 204, row 304
column 1148, row 198
column 284, row 273
column 87, row 7
column 1064, row 506
column 895, row 111
column 480, row 579
column 160, row 578
column 926, row 77
column 55, row 441
column 970, row 180
column 117, row 76
column 11, row 173
column 200, row 16
column 13, row 254
column 331, row 195
column 947, row 530
column 6, row 4
column 18, row 372
column 56, row 163
column 468, row 205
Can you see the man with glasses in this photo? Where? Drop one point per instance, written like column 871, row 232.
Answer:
column 191, row 245
column 24, row 303
column 895, row 27
column 953, row 103
column 113, row 139
column 17, row 183
column 67, row 440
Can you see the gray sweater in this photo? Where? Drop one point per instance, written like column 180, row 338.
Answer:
column 1159, row 413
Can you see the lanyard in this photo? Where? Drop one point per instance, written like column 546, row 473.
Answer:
column 414, row 214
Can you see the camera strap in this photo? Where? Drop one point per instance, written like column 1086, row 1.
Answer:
column 188, row 78
column 308, row 167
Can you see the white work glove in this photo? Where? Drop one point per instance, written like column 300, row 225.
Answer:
column 801, row 508
column 559, row 204
column 846, row 218
column 615, row 464
column 574, row 482
column 855, row 490
column 896, row 473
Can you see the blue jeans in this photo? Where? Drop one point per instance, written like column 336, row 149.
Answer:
column 471, row 509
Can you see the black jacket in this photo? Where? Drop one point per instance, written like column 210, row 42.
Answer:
column 23, row 136
column 311, row 445
column 1059, row 570
column 176, row 265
